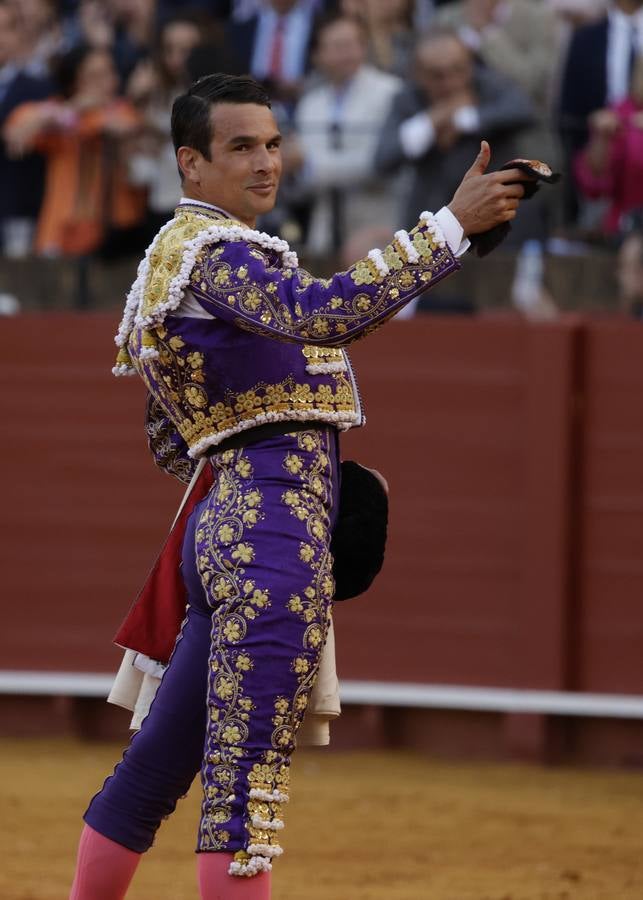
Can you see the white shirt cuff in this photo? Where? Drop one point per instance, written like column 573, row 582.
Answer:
column 466, row 119
column 452, row 231
column 417, row 135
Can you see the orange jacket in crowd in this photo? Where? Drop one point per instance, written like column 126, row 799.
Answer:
column 86, row 190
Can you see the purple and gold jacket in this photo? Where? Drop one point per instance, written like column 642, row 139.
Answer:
column 264, row 339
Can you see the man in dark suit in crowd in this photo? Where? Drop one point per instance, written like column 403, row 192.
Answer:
column 436, row 123
column 274, row 44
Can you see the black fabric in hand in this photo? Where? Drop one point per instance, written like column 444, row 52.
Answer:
column 359, row 536
column 484, row 243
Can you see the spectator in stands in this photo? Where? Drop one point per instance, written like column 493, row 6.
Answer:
column 124, row 27
column 610, row 166
column 435, row 125
column 516, row 37
column 21, row 180
column 81, row 133
column 274, row 45
column 522, row 40
column 42, row 34
column 338, row 124
column 596, row 74
column 629, row 270
column 578, row 12
column 153, row 87
column 389, row 25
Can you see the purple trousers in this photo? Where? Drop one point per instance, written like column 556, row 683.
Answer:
column 258, row 571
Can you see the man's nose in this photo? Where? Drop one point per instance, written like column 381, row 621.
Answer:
column 262, row 160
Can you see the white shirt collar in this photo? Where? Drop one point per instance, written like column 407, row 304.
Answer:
column 193, row 202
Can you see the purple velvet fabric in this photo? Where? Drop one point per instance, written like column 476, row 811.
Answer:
column 258, row 570
column 273, row 347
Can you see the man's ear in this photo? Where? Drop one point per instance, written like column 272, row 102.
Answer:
column 188, row 160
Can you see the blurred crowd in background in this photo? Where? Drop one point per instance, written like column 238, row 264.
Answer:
column 382, row 104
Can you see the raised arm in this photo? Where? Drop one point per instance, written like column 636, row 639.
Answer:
column 239, row 283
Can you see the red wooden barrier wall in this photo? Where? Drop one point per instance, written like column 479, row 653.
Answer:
column 513, row 452
column 610, row 513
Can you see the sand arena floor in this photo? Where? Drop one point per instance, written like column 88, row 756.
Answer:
column 361, row 826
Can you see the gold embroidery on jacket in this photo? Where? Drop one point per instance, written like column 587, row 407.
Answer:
column 180, row 374
column 259, row 306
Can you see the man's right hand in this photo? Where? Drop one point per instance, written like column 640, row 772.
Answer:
column 483, row 201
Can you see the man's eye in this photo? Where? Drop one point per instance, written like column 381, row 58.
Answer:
column 241, row 147
column 273, row 145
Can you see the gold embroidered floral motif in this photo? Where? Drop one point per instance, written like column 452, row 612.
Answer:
column 366, row 272
column 167, row 447
column 334, row 317
column 179, row 379
column 309, row 503
column 392, row 257
column 223, row 551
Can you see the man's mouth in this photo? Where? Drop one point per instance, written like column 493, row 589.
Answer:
column 262, row 187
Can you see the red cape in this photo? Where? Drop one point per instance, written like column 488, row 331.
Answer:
column 155, row 617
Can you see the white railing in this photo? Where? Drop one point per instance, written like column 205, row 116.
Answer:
column 374, row 693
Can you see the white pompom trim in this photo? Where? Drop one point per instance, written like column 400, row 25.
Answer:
column 267, row 824
column 254, row 865
column 122, row 369
column 268, row 796
column 431, row 223
column 377, row 258
column 148, row 353
column 269, row 850
column 133, row 317
column 135, row 294
column 406, row 245
column 326, row 368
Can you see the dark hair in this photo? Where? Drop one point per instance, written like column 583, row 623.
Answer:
column 65, row 68
column 207, row 27
column 191, row 124
column 327, row 20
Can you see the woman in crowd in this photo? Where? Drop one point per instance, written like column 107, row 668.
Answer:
column 82, row 133
column 610, row 166
column 153, row 87
column 389, row 26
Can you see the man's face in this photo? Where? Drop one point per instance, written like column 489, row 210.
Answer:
column 629, row 269
column 97, row 77
column 443, row 68
column 242, row 175
column 341, row 51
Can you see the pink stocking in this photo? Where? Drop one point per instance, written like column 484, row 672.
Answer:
column 104, row 868
column 216, row 884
